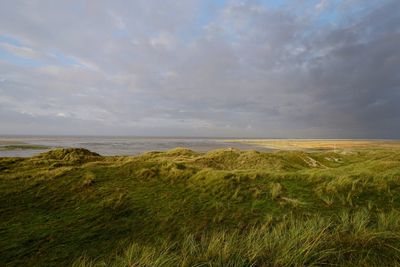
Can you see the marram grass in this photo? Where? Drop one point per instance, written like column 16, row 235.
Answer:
column 182, row 208
column 347, row 240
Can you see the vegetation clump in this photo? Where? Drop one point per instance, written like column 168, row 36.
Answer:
column 70, row 155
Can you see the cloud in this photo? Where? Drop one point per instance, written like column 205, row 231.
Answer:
column 162, row 41
column 21, row 51
column 176, row 68
column 323, row 4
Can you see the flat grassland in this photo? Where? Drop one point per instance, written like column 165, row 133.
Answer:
column 221, row 208
column 6, row 145
column 320, row 144
column 22, row 147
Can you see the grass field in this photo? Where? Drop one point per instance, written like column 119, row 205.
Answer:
column 320, row 144
column 72, row 207
column 21, row 147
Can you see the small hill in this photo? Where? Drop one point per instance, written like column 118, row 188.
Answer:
column 69, row 155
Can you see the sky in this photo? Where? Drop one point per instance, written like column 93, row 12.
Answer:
column 223, row 68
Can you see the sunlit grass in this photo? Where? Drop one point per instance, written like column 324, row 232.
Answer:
column 183, row 208
column 349, row 239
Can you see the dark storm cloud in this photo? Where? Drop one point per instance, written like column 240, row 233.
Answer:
column 357, row 84
column 241, row 68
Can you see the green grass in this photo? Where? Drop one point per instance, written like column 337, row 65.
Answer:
column 22, row 147
column 181, row 208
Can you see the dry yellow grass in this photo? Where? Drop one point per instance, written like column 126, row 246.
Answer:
column 330, row 144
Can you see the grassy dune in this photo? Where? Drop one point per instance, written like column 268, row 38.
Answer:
column 181, row 208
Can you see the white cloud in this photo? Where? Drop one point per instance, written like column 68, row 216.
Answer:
column 322, row 5
column 21, row 51
column 162, row 41
column 62, row 114
column 118, row 21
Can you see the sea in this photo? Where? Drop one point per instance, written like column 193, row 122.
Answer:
column 114, row 145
